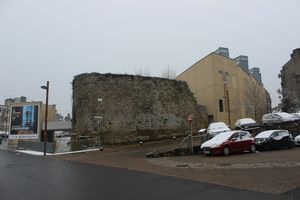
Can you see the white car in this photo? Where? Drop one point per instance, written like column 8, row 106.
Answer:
column 297, row 115
column 278, row 118
column 297, row 140
column 245, row 123
column 215, row 128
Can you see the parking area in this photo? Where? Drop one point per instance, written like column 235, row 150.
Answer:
column 271, row 172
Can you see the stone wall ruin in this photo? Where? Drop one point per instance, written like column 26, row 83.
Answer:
column 127, row 108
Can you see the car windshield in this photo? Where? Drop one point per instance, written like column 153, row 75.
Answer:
column 264, row 134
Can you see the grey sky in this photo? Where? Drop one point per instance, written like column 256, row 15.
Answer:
column 54, row 40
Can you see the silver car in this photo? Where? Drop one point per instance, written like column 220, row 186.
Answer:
column 279, row 117
column 214, row 129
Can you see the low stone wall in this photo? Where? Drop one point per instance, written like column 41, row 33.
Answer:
column 36, row 146
column 126, row 108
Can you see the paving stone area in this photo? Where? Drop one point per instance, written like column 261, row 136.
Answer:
column 270, row 172
column 171, row 163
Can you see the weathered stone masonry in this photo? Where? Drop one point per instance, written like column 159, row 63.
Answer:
column 132, row 107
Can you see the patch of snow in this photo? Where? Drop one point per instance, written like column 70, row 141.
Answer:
column 247, row 121
column 265, row 134
column 218, row 139
column 54, row 154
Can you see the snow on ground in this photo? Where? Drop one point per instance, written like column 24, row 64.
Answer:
column 51, row 154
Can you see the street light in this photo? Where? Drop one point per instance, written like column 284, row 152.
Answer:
column 226, row 96
column 46, row 116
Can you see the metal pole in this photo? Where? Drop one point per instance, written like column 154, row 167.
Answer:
column 227, row 94
column 6, row 122
column 99, row 140
column 46, row 119
column 192, row 149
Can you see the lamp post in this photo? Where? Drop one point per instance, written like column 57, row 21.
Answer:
column 191, row 145
column 46, row 116
column 227, row 95
column 6, row 123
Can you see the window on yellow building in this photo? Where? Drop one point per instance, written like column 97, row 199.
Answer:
column 221, row 107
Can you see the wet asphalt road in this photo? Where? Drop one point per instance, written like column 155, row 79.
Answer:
column 26, row 177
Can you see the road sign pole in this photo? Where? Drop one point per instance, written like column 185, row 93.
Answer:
column 190, row 119
column 191, row 138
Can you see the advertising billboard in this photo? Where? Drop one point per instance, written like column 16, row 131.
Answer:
column 24, row 122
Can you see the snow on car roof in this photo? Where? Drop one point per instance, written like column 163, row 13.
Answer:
column 247, row 121
column 284, row 115
column 217, row 125
column 266, row 134
column 222, row 136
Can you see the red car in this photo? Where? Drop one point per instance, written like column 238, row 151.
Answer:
column 229, row 142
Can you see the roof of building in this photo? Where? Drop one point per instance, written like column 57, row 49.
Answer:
column 210, row 54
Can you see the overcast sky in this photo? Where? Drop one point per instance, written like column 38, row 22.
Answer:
column 55, row 40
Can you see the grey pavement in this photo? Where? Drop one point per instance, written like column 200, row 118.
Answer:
column 27, row 177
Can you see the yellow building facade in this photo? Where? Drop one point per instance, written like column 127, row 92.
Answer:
column 221, row 85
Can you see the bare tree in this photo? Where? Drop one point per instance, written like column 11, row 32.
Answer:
column 143, row 72
column 168, row 73
column 290, row 102
column 147, row 71
column 138, row 72
column 256, row 102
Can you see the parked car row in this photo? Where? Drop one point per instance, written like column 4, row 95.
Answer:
column 249, row 124
column 219, row 127
column 238, row 141
column 267, row 119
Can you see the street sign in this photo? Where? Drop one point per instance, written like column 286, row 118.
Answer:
column 190, row 118
column 98, row 117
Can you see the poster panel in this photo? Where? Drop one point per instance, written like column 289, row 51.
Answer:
column 24, row 122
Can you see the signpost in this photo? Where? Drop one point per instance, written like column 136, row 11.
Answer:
column 46, row 117
column 99, row 118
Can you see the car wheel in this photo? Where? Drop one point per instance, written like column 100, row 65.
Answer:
column 226, row 151
column 252, row 148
